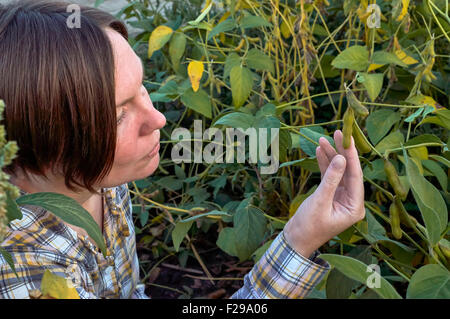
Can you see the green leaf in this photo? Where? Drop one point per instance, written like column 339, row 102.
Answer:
column 12, row 210
column 251, row 21
column 354, row 58
column 236, row 120
column 261, row 250
column 424, row 138
column 429, row 282
column 170, row 183
column 179, row 232
column 376, row 172
column 444, row 116
column 373, row 84
column 441, row 159
column 213, row 212
column 378, row 123
column 244, row 238
column 259, row 61
column 357, row 270
column 198, row 101
column 327, row 69
column 241, row 80
column 218, row 183
column 227, row 25
column 306, row 145
column 227, row 241
column 431, row 204
column 438, row 172
column 383, row 57
column 69, row 210
column 232, row 60
column 338, row 285
column 176, row 49
column 393, row 140
column 8, row 258
column 308, row 163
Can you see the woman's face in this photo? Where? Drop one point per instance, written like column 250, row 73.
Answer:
column 138, row 130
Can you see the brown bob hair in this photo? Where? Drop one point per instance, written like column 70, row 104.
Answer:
column 59, row 89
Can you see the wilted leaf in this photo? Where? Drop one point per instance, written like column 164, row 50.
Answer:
column 160, row 36
column 195, row 72
column 57, row 287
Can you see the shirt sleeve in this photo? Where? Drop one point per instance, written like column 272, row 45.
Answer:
column 282, row 273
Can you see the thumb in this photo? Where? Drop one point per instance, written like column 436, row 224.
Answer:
column 332, row 176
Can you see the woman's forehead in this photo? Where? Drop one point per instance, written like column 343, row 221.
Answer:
column 127, row 66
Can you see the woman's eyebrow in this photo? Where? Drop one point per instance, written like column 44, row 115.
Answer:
column 131, row 98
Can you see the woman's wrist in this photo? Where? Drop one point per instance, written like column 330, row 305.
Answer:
column 300, row 246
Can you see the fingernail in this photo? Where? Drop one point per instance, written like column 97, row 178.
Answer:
column 338, row 162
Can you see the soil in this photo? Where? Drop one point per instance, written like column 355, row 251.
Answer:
column 169, row 274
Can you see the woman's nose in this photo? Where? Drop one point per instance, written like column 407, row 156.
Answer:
column 154, row 120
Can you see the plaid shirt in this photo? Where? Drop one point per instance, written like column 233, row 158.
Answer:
column 41, row 241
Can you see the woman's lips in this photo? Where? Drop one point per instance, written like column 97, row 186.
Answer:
column 154, row 151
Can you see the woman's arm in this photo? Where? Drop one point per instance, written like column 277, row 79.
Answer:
column 282, row 273
column 338, row 203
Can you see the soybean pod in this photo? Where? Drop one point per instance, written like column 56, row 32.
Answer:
column 360, row 141
column 393, row 179
column 349, row 118
column 356, row 105
column 395, row 221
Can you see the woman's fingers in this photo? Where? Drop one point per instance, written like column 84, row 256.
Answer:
column 322, row 159
column 329, row 151
column 326, row 147
column 351, row 155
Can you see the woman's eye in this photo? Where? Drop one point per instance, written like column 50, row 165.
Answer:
column 121, row 117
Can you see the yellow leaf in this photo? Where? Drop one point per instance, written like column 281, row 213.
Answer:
column 405, row 4
column 421, row 99
column 401, row 54
column 374, row 67
column 421, row 153
column 405, row 58
column 57, row 287
column 195, row 71
column 284, row 28
column 160, row 36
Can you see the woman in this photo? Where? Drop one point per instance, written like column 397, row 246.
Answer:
column 77, row 108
